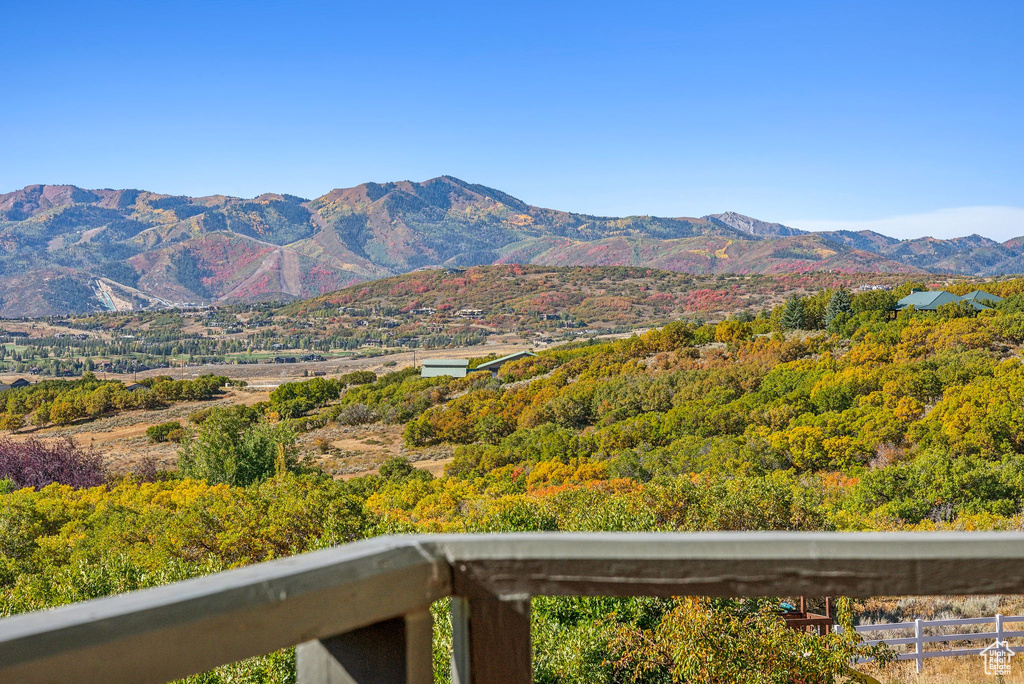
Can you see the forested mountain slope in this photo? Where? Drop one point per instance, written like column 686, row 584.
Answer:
column 65, row 249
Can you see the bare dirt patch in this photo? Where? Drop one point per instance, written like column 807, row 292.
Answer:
column 349, row 451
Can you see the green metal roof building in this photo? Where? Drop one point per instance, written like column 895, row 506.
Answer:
column 435, row 368
column 982, row 297
column 931, row 300
column 494, row 365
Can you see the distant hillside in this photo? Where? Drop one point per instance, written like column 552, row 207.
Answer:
column 64, row 249
column 600, row 295
column 712, row 254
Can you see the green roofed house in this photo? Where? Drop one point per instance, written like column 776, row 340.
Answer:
column 931, row 300
column 435, row 368
column 496, row 364
column 981, row 297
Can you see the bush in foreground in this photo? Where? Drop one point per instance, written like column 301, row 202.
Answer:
column 34, row 463
column 229, row 448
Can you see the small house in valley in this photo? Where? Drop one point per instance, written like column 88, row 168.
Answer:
column 20, row 382
column 435, row 368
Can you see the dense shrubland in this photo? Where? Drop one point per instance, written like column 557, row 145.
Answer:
column 823, row 414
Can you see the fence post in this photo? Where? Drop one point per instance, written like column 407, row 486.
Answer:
column 999, row 627
column 918, row 646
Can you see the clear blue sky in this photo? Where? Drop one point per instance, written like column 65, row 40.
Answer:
column 812, row 111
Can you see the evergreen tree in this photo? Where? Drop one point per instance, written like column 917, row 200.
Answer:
column 839, row 308
column 793, row 316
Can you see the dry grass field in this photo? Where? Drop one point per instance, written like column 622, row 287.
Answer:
column 966, row 669
column 959, row 670
column 342, row 451
column 121, row 438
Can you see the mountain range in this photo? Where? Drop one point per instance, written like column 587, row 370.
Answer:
column 65, row 249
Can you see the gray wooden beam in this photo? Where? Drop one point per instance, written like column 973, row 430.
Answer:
column 733, row 563
column 491, row 641
column 396, row 651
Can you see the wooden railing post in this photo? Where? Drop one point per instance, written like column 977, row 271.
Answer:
column 397, row 651
column 491, row 641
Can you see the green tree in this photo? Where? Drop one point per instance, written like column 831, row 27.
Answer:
column 839, row 309
column 873, row 300
column 11, row 421
column 793, row 315
column 226, row 448
column 161, row 432
column 395, row 468
column 64, row 412
column 908, row 287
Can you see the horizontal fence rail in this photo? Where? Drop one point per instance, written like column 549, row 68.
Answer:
column 360, row 612
column 920, row 638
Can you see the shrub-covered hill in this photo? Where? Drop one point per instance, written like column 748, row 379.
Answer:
column 823, row 414
column 597, row 294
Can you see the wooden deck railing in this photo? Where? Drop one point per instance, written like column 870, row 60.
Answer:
column 360, row 612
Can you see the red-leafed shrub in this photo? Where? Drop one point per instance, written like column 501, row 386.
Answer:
column 34, row 463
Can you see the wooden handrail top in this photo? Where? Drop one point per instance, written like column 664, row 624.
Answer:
column 723, row 545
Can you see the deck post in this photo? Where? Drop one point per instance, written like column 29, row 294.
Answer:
column 491, row 641
column 396, row 651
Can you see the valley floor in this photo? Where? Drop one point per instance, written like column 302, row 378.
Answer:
column 270, row 375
